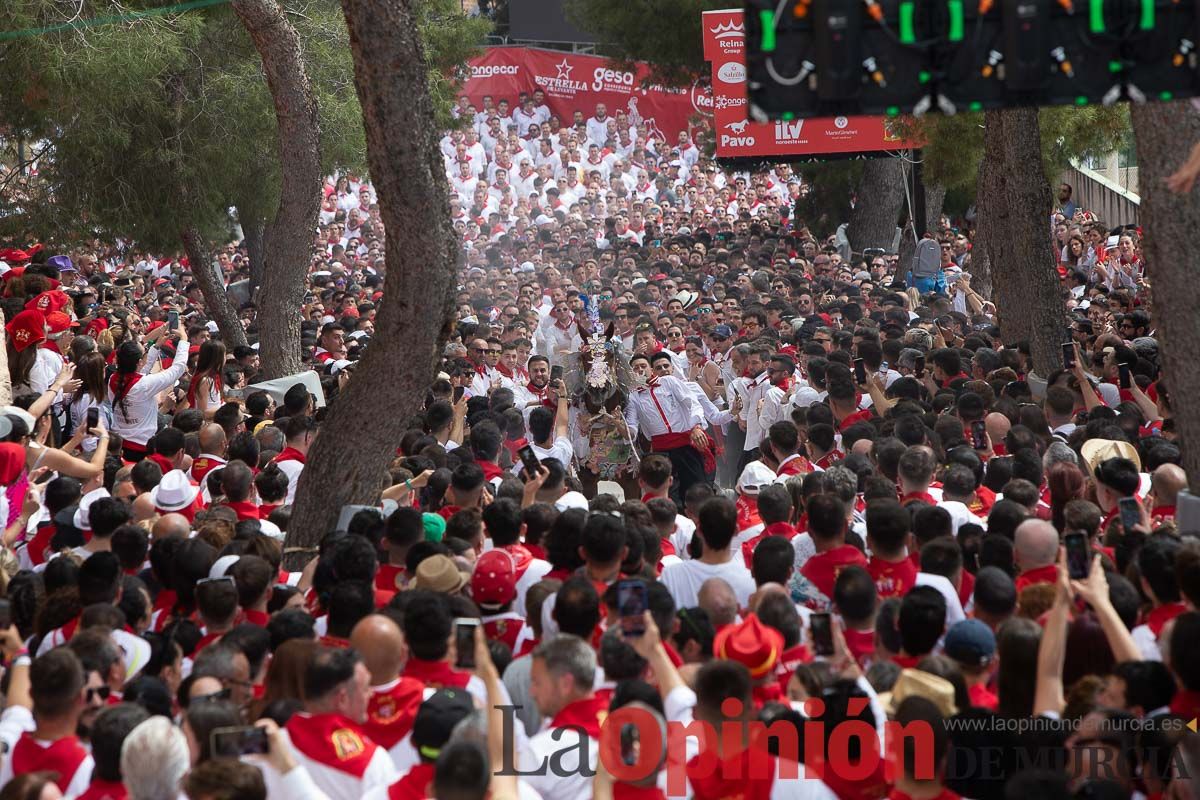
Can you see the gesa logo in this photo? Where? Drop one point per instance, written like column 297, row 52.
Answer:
column 610, row 79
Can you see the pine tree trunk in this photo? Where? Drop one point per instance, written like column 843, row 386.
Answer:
column 879, row 200
column 1163, row 132
column 287, row 239
column 216, row 301
column 253, row 231
column 1014, row 215
column 347, row 463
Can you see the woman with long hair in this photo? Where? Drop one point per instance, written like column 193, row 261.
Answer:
column 204, row 390
column 31, row 368
column 93, row 393
column 17, row 502
column 135, row 396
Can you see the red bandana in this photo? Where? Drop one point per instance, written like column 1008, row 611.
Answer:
column 436, row 674
column 391, row 712
column 290, row 454
column 417, row 784
column 332, row 740
column 748, row 775
column 63, row 756
column 587, row 714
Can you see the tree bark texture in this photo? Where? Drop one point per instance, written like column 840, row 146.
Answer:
column 1164, row 131
column 287, row 239
column 216, row 301
column 879, row 200
column 1014, row 216
column 347, row 462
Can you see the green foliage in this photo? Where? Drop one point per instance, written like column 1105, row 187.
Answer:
column 161, row 123
column 665, row 33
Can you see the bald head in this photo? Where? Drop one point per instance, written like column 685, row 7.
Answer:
column 171, row 525
column 764, row 591
column 717, row 598
column 1168, row 481
column 212, row 439
column 997, row 425
column 1036, row 544
column 379, row 640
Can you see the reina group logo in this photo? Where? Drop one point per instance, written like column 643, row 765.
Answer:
column 730, row 30
column 732, row 72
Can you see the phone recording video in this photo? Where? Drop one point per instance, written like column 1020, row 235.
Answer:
column 93, row 418
column 822, row 633
column 234, row 742
column 1078, row 555
column 1068, row 355
column 529, row 461
column 860, row 371
column 631, row 605
column 979, row 435
column 1131, row 512
column 464, row 642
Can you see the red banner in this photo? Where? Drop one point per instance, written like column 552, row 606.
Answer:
column 577, row 83
column 738, row 137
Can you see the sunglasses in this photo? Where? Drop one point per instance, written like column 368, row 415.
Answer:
column 101, row 692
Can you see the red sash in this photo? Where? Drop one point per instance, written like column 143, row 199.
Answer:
column 391, row 712
column 202, row 466
column 416, row 785
column 1159, row 616
column 290, row 454
column 587, row 714
column 747, row 512
column 436, row 673
column 504, row 629
column 332, row 740
column 673, row 441
column 63, row 756
column 244, row 510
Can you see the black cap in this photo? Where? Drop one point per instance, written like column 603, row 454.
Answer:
column 436, row 718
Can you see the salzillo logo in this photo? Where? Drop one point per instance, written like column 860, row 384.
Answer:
column 491, row 70
column 729, row 31
column 788, row 132
column 732, row 72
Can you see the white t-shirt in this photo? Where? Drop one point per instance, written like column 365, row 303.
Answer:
column 684, row 579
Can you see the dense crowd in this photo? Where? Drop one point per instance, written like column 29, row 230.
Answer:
column 686, row 466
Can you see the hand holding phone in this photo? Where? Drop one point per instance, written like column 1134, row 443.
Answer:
column 93, row 418
column 919, row 368
column 860, row 372
column 236, row 741
column 1068, row 355
column 1131, row 513
column 529, row 461
column 979, row 435
column 464, row 642
column 821, row 625
column 1124, row 376
column 1078, row 555
column 632, row 605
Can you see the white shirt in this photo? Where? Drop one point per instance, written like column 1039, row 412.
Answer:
column 755, row 390
column 597, row 130
column 135, row 417
column 664, row 407
column 566, row 780
column 561, row 449
column 684, row 579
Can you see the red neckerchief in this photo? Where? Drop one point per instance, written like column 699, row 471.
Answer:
column 202, row 466
column 1032, row 577
column 586, row 714
column 521, row 557
column 244, row 509
column 481, row 369
column 1159, row 616
column 417, row 784
column 783, row 529
column 893, row 578
column 332, row 740
column 503, row 370
column 789, row 660
column 561, row 325
column 290, row 454
column 259, row 618
column 823, row 568
column 117, row 380
column 748, row 775
column 784, row 384
column 769, row 692
column 392, row 711
column 541, row 393
column 436, row 674
column 64, row 757
column 162, row 462
column 100, row 789
column 795, row 464
column 51, row 345
column 747, row 512
column 917, row 497
column 490, row 470
column 390, row 577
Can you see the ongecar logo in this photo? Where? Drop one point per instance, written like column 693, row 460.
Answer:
column 732, row 72
column 492, row 70
column 729, row 102
column 609, row 80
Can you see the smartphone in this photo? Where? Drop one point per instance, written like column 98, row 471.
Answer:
column 883, row 368
column 631, row 605
column 860, row 371
column 464, row 642
column 459, row 391
column 629, row 743
column 93, row 418
column 1078, row 555
column 172, row 320
column 529, row 460
column 5, row 615
column 556, row 373
column 242, row 740
column 919, row 367
column 822, row 633
column 979, row 435
column 1068, row 354
column 1131, row 512
column 1123, row 373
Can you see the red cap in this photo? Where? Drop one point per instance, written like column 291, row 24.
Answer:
column 49, row 301
column 57, row 321
column 95, row 326
column 494, row 581
column 26, row 329
column 752, row 644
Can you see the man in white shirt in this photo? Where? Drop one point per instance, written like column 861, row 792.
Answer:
column 717, row 526
column 597, row 126
column 670, row 417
